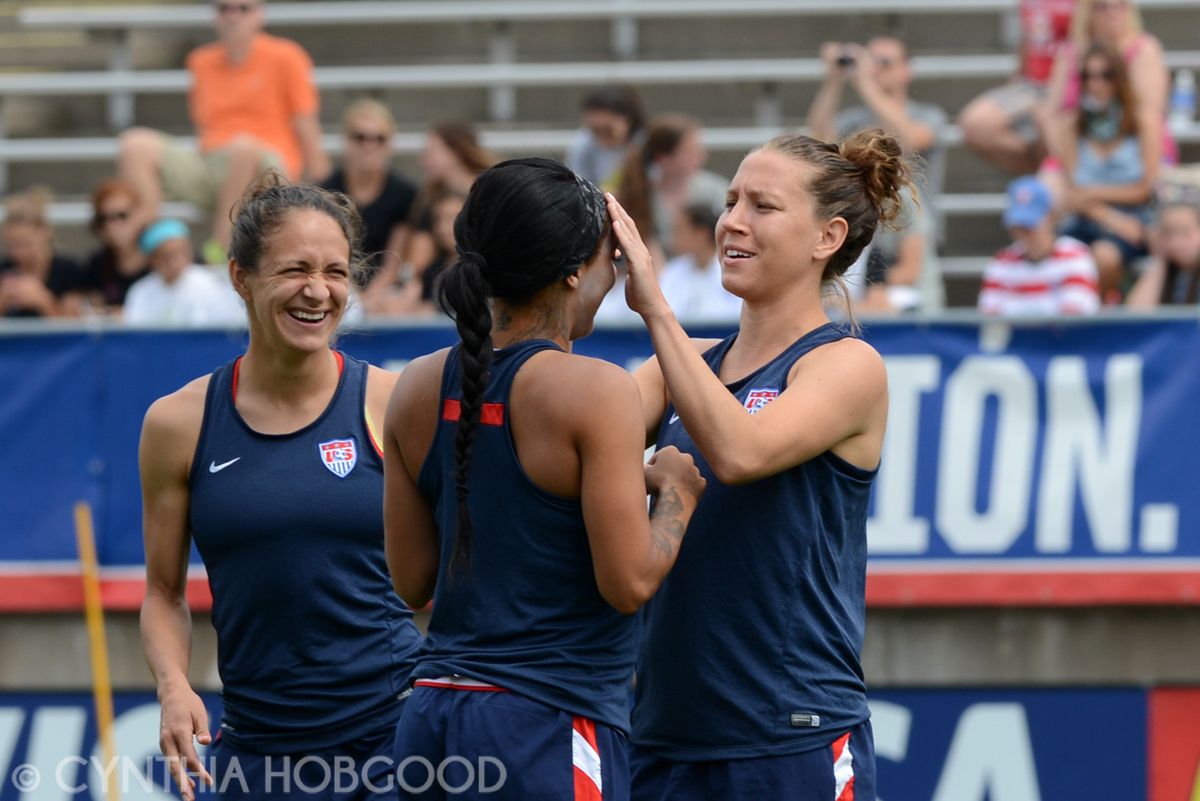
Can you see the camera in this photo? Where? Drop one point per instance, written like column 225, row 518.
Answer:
column 845, row 60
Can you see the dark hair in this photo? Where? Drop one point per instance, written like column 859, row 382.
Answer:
column 265, row 207
column 634, row 193
column 702, row 215
column 1174, row 271
column 461, row 138
column 621, row 99
column 526, row 224
column 1122, row 88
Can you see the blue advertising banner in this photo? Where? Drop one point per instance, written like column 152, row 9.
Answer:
column 931, row 745
column 1044, row 463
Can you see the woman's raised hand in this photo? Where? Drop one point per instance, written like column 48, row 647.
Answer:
column 642, row 292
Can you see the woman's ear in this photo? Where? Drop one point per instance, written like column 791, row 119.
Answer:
column 832, row 237
column 238, row 277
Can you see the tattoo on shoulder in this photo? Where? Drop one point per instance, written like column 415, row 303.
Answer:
column 666, row 525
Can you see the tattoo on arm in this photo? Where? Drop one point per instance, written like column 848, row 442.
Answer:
column 666, row 525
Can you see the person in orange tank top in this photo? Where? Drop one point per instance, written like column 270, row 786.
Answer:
column 254, row 106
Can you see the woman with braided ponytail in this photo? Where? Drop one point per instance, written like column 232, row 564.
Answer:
column 515, row 499
column 760, row 695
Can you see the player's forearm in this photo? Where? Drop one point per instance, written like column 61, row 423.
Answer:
column 716, row 421
column 166, row 625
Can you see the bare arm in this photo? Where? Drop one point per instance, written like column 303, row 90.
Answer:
column 841, row 397
column 829, row 96
column 169, row 436
column 653, row 388
column 411, row 542
column 1148, row 289
column 316, row 161
column 632, row 552
column 892, row 112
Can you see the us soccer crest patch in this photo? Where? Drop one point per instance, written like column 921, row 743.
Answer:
column 339, row 455
column 758, row 398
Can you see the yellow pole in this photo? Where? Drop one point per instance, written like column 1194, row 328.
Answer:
column 101, row 682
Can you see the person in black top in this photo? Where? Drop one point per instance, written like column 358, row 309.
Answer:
column 118, row 262
column 34, row 282
column 384, row 199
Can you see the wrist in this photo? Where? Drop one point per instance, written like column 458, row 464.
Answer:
column 173, row 686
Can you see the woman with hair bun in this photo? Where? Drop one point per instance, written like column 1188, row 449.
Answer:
column 273, row 465
column 516, row 501
column 749, row 682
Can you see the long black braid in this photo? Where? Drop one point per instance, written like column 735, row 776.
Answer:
column 526, row 224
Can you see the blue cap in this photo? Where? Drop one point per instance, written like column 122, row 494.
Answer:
column 1029, row 203
column 160, row 231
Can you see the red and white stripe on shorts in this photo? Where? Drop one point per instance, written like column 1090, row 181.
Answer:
column 843, row 769
column 459, row 683
column 585, row 755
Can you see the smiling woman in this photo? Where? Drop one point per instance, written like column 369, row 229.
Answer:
column 314, row 645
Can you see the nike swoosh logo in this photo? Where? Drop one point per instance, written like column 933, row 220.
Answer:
column 217, row 468
column 674, row 417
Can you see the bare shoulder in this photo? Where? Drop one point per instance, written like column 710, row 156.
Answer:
column 179, row 413
column 171, row 430
column 420, row 376
column 380, row 384
column 846, row 359
column 580, row 385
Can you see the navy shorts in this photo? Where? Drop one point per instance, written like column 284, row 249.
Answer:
column 464, row 739
column 361, row 770
column 843, row 772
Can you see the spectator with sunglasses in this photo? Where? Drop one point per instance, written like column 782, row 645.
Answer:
column 1110, row 166
column 118, row 262
column 881, row 73
column 254, row 105
column 382, row 196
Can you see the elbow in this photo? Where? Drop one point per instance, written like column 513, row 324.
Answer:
column 630, row 595
column 415, row 592
column 734, row 469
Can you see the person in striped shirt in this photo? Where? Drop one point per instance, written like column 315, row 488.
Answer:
column 1040, row 273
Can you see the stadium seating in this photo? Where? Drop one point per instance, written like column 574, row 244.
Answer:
column 632, row 53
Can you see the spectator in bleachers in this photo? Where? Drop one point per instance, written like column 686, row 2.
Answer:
column 382, row 196
column 414, row 294
column 691, row 282
column 1003, row 125
column 1110, row 164
column 254, row 106
column 1118, row 24
column 1040, row 273
column 881, row 73
column 34, row 280
column 451, row 161
column 1173, row 276
column 662, row 175
column 113, row 268
column 898, row 270
column 612, row 117
column 179, row 292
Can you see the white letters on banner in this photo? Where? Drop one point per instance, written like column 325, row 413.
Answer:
column 992, row 531
column 1089, row 450
column 991, row 757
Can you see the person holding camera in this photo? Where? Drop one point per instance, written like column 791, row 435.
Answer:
column 881, row 73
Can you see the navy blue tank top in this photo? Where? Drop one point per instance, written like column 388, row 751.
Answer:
column 313, row 645
column 751, row 646
column 529, row 616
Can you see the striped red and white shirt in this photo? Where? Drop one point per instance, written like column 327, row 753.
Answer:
column 1065, row 282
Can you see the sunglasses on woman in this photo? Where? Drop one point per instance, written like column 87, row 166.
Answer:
column 358, row 137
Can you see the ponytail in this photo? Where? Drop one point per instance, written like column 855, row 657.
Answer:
column 463, row 292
